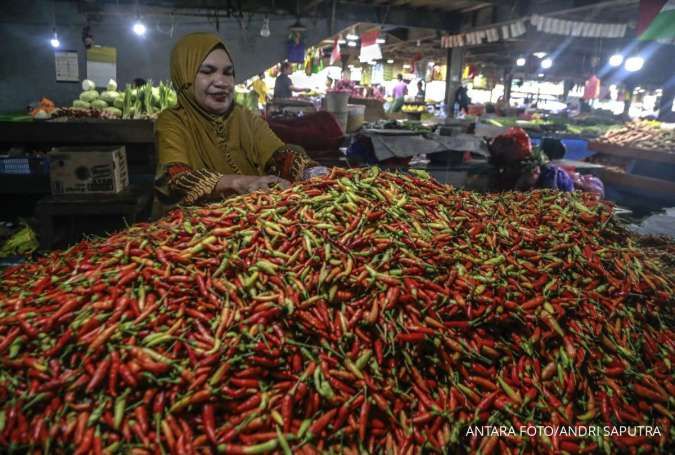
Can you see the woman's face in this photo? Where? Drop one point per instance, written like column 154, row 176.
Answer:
column 214, row 83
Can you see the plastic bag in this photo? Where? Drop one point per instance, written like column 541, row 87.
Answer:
column 555, row 178
column 512, row 146
column 589, row 183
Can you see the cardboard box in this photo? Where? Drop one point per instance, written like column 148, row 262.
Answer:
column 88, row 169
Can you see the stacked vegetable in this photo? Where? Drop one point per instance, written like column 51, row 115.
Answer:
column 642, row 134
column 141, row 102
column 361, row 311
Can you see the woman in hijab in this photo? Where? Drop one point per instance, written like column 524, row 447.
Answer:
column 208, row 147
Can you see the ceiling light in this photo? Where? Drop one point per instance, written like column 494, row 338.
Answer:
column 390, row 61
column 432, row 63
column 351, row 43
column 139, row 28
column 406, row 66
column 540, row 54
column 298, row 26
column 546, row 63
column 352, row 36
column 540, row 74
column 616, row 60
column 380, row 41
column 521, row 61
column 634, row 64
column 55, row 40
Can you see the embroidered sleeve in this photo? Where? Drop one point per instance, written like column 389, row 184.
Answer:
column 290, row 163
column 191, row 185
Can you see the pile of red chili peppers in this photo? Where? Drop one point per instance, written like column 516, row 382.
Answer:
column 360, row 312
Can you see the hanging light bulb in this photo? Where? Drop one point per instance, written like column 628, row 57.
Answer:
column 265, row 30
column 55, row 40
column 616, row 60
column 546, row 63
column 139, row 27
column 390, row 61
column 380, row 41
column 634, row 64
column 521, row 61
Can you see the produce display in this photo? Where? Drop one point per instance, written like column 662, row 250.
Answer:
column 360, row 312
column 133, row 103
column 414, row 108
column 642, row 134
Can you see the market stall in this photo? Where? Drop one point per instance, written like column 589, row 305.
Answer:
column 485, row 271
column 228, row 335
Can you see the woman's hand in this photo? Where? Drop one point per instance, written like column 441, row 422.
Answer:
column 244, row 184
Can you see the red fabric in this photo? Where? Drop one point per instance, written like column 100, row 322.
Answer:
column 648, row 11
column 315, row 131
column 592, row 88
column 369, row 38
column 335, row 54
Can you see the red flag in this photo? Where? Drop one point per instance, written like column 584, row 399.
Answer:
column 648, row 11
column 335, row 54
column 370, row 38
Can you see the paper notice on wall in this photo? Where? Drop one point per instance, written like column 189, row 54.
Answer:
column 101, row 65
column 67, row 68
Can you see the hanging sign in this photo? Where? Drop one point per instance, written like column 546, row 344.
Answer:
column 489, row 35
column 543, row 24
column 555, row 26
column 101, row 65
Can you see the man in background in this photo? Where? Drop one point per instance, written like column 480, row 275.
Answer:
column 399, row 93
column 283, row 87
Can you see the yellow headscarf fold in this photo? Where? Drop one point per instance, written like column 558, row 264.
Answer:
column 237, row 142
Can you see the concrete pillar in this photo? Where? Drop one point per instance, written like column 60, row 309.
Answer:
column 453, row 79
column 508, row 81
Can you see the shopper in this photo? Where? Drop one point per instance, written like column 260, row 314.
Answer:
column 399, row 93
column 207, row 146
column 462, row 99
column 260, row 88
column 283, row 87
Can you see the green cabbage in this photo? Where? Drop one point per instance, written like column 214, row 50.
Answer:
column 88, row 85
column 99, row 104
column 110, row 96
column 119, row 102
column 89, row 96
column 112, row 85
column 82, row 104
column 114, row 111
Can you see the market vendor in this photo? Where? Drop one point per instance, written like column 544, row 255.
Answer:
column 283, row 87
column 207, row 146
column 519, row 166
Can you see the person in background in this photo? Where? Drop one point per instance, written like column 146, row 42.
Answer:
column 209, row 147
column 421, row 91
column 462, row 99
column 283, row 87
column 399, row 93
column 260, row 88
column 139, row 82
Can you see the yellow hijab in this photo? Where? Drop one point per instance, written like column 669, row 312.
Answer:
column 237, row 142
